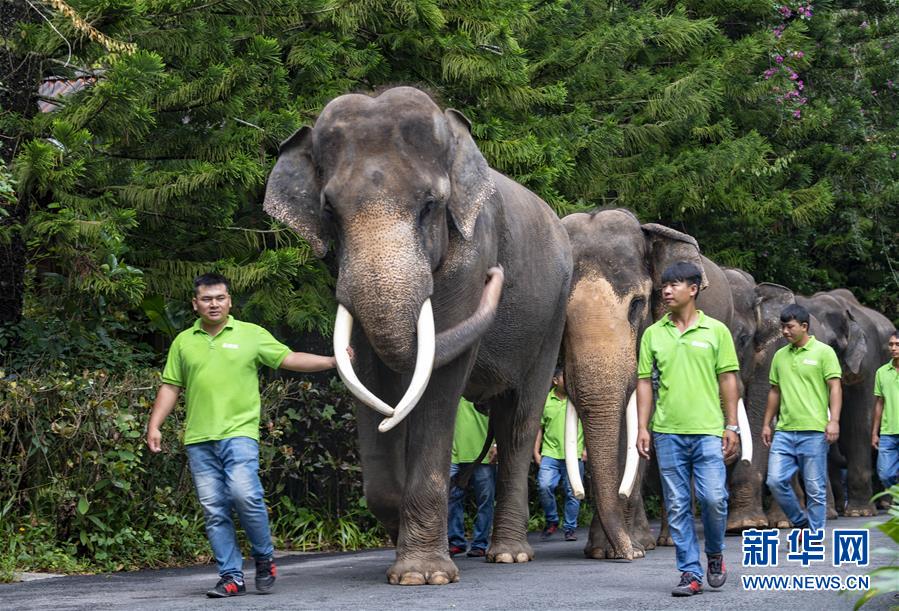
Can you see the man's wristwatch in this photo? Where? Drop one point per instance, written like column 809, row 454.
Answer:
column 733, row 427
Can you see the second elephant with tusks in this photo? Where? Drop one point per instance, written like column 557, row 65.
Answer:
column 419, row 225
column 614, row 296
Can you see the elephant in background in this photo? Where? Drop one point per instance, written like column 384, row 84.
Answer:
column 757, row 336
column 418, row 223
column 859, row 336
column 614, row 296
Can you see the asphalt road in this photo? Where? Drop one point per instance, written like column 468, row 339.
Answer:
column 559, row 578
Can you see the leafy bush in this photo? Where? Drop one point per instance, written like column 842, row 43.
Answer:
column 81, row 491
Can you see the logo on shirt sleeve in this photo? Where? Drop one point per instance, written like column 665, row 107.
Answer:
column 231, row 346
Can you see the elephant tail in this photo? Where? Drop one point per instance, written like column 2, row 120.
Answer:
column 460, row 479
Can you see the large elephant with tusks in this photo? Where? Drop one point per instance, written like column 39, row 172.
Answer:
column 452, row 281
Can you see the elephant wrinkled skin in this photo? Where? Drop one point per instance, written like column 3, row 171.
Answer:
column 415, row 213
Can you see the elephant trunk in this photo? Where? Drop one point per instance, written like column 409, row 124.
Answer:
column 390, row 297
column 600, row 363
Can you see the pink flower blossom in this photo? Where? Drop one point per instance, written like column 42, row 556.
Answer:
column 893, row 155
column 799, row 85
column 799, row 54
column 797, row 114
column 779, row 59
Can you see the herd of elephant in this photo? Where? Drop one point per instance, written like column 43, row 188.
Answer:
column 454, row 280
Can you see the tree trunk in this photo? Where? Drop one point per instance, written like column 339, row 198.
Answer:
column 21, row 78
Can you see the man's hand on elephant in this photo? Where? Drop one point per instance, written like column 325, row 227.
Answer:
column 537, row 459
column 875, row 441
column 154, row 440
column 491, row 454
column 832, row 431
column 766, row 435
column 730, row 443
column 643, row 443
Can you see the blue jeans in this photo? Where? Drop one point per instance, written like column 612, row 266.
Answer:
column 550, row 474
column 805, row 451
column 483, row 484
column 888, row 460
column 226, row 476
column 681, row 457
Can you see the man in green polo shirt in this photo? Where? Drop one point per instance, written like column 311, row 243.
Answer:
column 549, row 454
column 468, row 442
column 216, row 363
column 885, row 433
column 805, row 382
column 695, row 358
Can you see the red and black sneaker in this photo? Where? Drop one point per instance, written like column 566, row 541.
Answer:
column 456, row 549
column 550, row 530
column 266, row 571
column 716, row 574
column 688, row 586
column 229, row 585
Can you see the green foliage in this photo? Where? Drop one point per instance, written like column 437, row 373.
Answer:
column 886, row 578
column 770, row 135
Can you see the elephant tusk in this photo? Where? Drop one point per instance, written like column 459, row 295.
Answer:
column 424, row 365
column 571, row 454
column 745, row 433
column 633, row 458
column 343, row 328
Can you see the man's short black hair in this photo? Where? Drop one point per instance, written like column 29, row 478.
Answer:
column 895, row 334
column 559, row 371
column 796, row 312
column 682, row 271
column 211, row 279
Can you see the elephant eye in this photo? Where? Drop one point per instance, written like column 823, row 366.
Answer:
column 430, row 202
column 328, row 214
column 635, row 314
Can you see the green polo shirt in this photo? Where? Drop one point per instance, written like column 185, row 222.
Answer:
column 689, row 363
column 220, row 378
column 886, row 385
column 470, row 434
column 801, row 374
column 553, row 423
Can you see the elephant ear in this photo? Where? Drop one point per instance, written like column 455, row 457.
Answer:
column 770, row 300
column 856, row 343
column 470, row 176
column 292, row 194
column 667, row 246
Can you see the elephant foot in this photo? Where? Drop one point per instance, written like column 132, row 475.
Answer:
column 664, row 540
column 510, row 552
column 609, row 552
column 854, row 510
column 639, row 550
column 743, row 520
column 437, row 571
column 777, row 519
